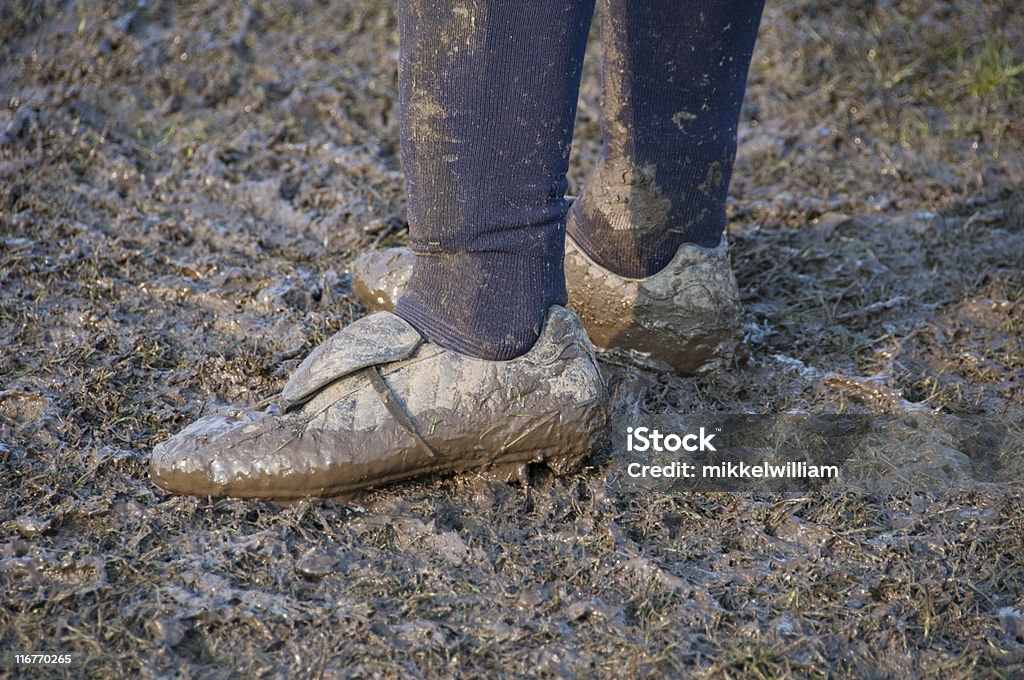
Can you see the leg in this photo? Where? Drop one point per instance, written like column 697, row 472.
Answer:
column 488, row 93
column 637, row 270
column 674, row 78
column 488, row 96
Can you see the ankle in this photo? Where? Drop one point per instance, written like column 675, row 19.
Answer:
column 485, row 305
column 628, row 224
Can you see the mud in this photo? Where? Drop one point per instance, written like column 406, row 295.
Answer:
column 683, row 319
column 175, row 236
column 624, row 197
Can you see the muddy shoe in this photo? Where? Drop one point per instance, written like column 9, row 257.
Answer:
column 377, row 403
column 379, row 277
column 684, row 318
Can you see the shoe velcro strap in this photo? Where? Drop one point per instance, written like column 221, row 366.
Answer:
column 373, row 340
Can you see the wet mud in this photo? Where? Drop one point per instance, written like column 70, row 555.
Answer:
column 183, row 187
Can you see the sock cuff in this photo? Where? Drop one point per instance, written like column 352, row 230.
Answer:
column 488, row 305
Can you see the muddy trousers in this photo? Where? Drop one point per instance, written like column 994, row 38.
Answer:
column 488, row 92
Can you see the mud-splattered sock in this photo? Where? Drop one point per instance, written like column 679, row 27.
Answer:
column 488, row 95
column 674, row 77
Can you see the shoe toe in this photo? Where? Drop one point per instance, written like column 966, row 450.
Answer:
column 379, row 277
column 224, row 454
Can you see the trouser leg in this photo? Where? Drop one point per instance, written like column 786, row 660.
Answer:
column 488, row 93
column 674, row 77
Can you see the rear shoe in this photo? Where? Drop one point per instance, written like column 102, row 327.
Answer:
column 683, row 319
column 379, row 277
column 377, row 403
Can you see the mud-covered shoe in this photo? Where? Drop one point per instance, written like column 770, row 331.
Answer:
column 379, row 277
column 684, row 318
column 377, row 403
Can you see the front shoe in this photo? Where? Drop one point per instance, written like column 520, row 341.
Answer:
column 683, row 319
column 377, row 403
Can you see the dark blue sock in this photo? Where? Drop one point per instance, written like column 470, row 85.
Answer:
column 488, row 96
column 674, row 77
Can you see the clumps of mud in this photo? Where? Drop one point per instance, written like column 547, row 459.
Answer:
column 182, row 186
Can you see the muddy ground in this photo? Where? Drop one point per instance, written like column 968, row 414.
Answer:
column 182, row 185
